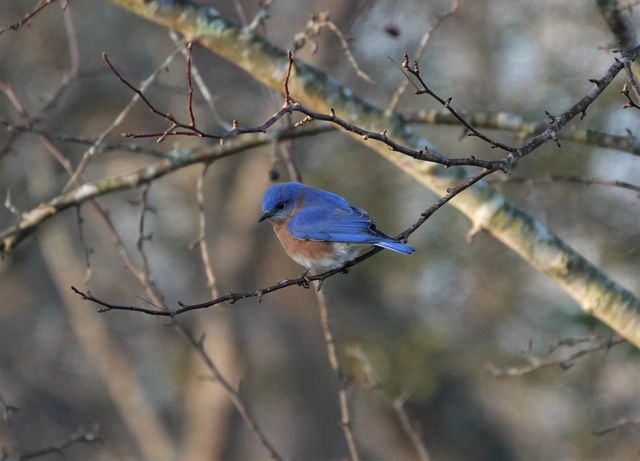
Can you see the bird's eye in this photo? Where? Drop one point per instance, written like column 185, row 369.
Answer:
column 280, row 206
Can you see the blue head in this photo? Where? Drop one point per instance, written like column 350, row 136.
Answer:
column 279, row 200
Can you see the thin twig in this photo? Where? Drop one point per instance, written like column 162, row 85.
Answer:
column 67, row 79
column 56, row 136
column 508, row 121
column 86, row 249
column 303, row 281
column 178, row 128
column 202, row 87
column 332, row 354
column 202, row 240
column 424, row 154
column 30, row 220
column 417, row 54
column 558, row 122
column 412, row 432
column 27, row 17
column 566, row 362
column 97, row 147
column 319, row 21
column 192, row 119
column 414, row 70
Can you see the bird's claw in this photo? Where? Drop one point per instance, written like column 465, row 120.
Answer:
column 306, row 281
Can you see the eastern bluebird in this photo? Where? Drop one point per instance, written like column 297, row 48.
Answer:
column 319, row 229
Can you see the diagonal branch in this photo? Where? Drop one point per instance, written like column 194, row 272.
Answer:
column 27, row 17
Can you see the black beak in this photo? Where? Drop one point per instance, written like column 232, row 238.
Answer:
column 265, row 215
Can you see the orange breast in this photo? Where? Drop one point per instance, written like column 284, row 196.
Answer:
column 302, row 251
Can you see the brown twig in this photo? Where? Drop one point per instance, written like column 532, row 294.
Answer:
column 178, row 128
column 414, row 71
column 67, row 79
column 27, row 17
column 189, row 128
column 318, row 22
column 558, row 122
column 199, row 81
column 287, row 107
column 417, row 54
column 512, row 122
column 300, row 281
column 424, row 154
column 593, row 344
column 192, row 119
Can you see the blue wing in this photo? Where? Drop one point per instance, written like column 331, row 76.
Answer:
column 341, row 224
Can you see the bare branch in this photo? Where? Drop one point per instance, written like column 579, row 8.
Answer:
column 507, row 121
column 343, row 398
column 56, row 136
column 318, row 22
column 27, row 17
column 300, row 281
column 414, row 71
column 97, row 147
column 417, row 54
column 593, row 344
column 558, row 122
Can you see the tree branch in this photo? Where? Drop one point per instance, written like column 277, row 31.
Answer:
column 303, row 281
column 596, row 293
column 507, row 121
column 30, row 220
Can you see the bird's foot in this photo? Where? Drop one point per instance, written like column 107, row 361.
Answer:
column 306, row 281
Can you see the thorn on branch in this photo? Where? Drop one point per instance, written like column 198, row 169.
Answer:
column 552, row 118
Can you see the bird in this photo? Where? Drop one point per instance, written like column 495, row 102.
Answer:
column 320, row 230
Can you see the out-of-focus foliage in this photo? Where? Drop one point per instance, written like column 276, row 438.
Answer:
column 428, row 322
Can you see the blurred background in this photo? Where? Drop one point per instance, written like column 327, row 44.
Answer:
column 428, row 323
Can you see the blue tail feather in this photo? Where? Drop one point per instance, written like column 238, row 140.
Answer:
column 396, row 246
